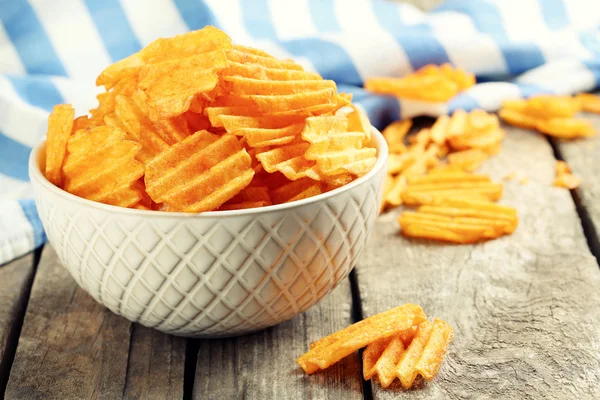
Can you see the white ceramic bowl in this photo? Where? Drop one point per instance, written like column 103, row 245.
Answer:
column 217, row 273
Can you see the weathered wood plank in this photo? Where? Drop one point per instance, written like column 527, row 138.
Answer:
column 156, row 362
column 262, row 365
column 15, row 281
column 583, row 158
column 525, row 308
column 72, row 347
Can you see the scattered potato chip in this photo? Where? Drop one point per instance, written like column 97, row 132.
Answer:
column 564, row 177
column 395, row 133
column 566, row 128
column 60, row 126
column 589, row 102
column 469, row 160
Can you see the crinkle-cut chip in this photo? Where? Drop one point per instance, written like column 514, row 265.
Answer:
column 394, row 196
column 296, row 104
column 200, row 173
column 288, row 159
column 566, row 128
column 468, row 160
column 260, row 137
column 81, row 122
column 447, row 169
column 332, row 142
column 457, row 124
column 232, row 123
column 589, row 102
column 317, row 128
column 385, row 368
column 120, row 70
column 107, row 101
column 464, row 79
column 141, row 129
column 252, row 50
column 435, row 349
column 252, row 193
column 215, row 114
column 311, row 191
column 173, row 129
column 488, row 228
column 488, row 191
column 244, row 205
column 446, row 178
column 434, row 88
column 237, row 85
column 405, row 370
column 517, row 118
column 395, row 133
column 256, row 71
column 242, row 56
column 548, row 106
column 101, row 166
column 371, row 354
column 172, row 85
column 345, row 161
column 439, row 130
column 487, row 140
column 196, row 122
column 400, row 162
column 333, row 348
column 60, row 126
column 480, row 120
column 290, row 190
column 358, row 121
column 188, row 44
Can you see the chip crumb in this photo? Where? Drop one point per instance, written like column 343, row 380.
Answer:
column 524, row 180
column 510, row 176
column 564, row 177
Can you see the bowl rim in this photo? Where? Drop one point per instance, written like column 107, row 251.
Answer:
column 36, row 175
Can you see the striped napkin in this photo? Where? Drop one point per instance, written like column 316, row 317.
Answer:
column 51, row 52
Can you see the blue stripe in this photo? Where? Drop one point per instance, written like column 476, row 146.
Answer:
column 554, row 13
column 594, row 67
column 38, row 91
column 419, row 44
column 527, row 90
column 521, row 57
column 30, row 211
column 257, row 19
column 196, row 13
column 422, row 49
column 324, row 16
column 113, row 27
column 463, row 101
column 330, row 60
column 29, row 38
column 13, row 158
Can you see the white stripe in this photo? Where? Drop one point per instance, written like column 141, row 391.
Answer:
column 489, row 95
column 522, row 19
column 411, row 15
column 20, row 121
column 292, row 19
column 154, row 19
column 80, row 94
column 583, row 14
column 476, row 53
column 11, row 62
column 13, row 189
column 561, row 77
column 229, row 15
column 16, row 233
column 560, row 45
column 72, row 32
column 413, row 108
column 451, row 23
column 362, row 32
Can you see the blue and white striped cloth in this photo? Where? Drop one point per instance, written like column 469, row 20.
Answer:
column 51, row 51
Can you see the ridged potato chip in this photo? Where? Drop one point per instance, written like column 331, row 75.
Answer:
column 60, row 126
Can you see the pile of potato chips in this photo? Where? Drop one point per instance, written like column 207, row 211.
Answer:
column 454, row 204
column 400, row 343
column 430, row 83
column 195, row 123
column 552, row 115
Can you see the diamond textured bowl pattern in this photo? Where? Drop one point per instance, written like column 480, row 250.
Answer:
column 213, row 274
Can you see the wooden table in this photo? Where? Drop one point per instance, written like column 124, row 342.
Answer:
column 525, row 309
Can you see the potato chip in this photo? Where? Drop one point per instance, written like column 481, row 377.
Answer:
column 333, row 348
column 566, row 128
column 564, row 177
column 60, row 126
column 405, row 370
column 589, row 102
column 457, row 124
column 199, row 173
column 237, row 85
column 439, row 130
column 294, row 190
column 428, row 88
column 358, row 121
column 517, row 118
column 468, row 160
column 395, row 133
column 296, row 104
column 101, row 166
column 547, row 107
column 371, row 355
column 385, row 368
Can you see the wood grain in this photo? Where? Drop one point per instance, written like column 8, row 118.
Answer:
column 71, row 347
column 15, row 281
column 583, row 156
column 262, row 365
column 525, row 308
